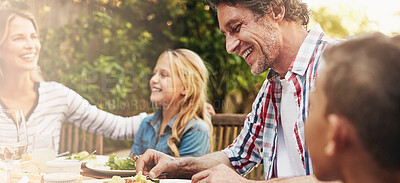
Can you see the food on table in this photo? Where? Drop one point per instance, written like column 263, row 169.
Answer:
column 117, row 179
column 119, row 163
column 26, row 167
column 79, row 156
column 138, row 178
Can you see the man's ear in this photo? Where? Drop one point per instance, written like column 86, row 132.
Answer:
column 339, row 137
column 278, row 12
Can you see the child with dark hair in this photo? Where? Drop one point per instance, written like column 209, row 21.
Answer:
column 353, row 129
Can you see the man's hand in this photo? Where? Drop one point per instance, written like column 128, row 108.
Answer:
column 154, row 163
column 219, row 173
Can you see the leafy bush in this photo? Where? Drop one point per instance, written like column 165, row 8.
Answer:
column 99, row 56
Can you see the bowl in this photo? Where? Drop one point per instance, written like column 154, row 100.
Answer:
column 61, row 178
column 63, row 166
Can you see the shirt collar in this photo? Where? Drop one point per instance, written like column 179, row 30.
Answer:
column 156, row 120
column 306, row 51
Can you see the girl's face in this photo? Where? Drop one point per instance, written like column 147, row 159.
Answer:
column 20, row 50
column 163, row 90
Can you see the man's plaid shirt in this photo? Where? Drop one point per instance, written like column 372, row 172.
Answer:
column 257, row 141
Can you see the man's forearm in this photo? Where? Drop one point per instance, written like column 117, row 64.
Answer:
column 188, row 166
column 300, row 179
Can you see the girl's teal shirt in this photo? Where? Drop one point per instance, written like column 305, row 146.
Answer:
column 195, row 140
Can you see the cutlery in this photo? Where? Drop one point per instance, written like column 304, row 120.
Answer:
column 62, row 154
column 156, row 180
column 153, row 180
column 89, row 155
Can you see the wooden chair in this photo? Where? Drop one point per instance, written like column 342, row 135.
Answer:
column 226, row 128
column 74, row 139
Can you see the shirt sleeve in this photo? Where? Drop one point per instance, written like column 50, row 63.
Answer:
column 94, row 120
column 195, row 142
column 246, row 151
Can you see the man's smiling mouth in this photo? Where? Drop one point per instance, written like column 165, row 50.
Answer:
column 247, row 52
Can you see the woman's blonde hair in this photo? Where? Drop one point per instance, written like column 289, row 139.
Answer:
column 194, row 75
column 6, row 16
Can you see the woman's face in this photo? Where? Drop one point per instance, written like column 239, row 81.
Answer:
column 20, row 50
column 163, row 90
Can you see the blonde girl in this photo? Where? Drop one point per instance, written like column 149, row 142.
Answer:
column 182, row 125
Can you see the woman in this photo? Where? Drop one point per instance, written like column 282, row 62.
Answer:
column 46, row 104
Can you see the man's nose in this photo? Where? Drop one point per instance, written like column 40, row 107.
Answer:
column 231, row 43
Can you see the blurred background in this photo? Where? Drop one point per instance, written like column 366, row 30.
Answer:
column 106, row 49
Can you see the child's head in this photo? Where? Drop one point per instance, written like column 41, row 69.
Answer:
column 180, row 80
column 355, row 109
column 179, row 76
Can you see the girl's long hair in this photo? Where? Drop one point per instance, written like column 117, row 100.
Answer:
column 194, row 75
column 6, row 16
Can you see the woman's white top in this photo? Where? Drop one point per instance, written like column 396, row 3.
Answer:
column 57, row 104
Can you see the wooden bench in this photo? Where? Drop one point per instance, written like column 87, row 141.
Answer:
column 226, row 128
column 74, row 139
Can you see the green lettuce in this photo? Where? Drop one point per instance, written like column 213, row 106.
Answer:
column 118, row 163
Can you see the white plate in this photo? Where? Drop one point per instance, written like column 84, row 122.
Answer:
column 99, row 158
column 102, row 168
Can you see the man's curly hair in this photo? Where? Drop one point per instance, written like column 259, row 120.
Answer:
column 295, row 10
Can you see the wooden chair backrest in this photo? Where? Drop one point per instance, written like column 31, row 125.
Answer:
column 226, row 128
column 74, row 139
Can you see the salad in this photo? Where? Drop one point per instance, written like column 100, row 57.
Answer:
column 118, row 163
column 138, row 178
column 79, row 156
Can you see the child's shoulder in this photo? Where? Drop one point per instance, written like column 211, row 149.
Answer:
column 149, row 118
column 197, row 124
column 153, row 116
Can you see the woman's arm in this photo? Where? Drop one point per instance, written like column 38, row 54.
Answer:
column 94, row 120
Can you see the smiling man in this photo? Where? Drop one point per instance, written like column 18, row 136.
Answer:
column 269, row 35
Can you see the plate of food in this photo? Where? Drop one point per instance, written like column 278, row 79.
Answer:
column 79, row 156
column 114, row 165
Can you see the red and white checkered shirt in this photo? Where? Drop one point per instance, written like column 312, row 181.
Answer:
column 257, row 141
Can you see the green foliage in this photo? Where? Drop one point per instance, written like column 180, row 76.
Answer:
column 100, row 57
column 341, row 21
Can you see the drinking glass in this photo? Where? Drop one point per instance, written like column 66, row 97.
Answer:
column 43, row 149
column 13, row 138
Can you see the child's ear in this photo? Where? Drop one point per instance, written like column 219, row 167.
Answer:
column 183, row 92
column 338, row 135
